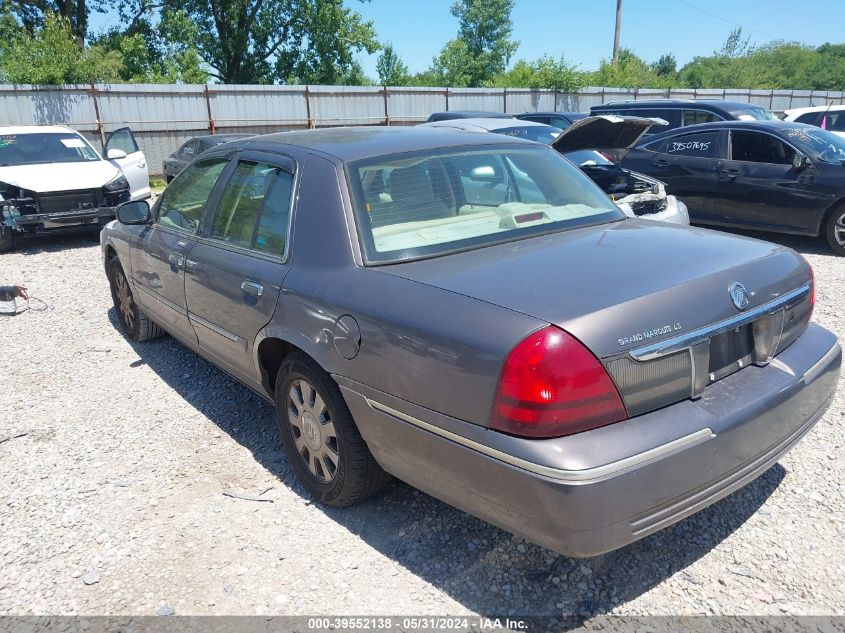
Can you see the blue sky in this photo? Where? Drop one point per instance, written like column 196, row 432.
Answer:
column 582, row 30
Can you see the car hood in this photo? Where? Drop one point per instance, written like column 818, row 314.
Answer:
column 607, row 131
column 614, row 282
column 47, row 177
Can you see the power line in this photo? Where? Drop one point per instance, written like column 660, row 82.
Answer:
column 723, row 19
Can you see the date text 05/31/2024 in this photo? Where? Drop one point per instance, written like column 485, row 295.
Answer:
column 407, row 623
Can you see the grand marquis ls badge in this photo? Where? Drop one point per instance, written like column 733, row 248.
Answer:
column 739, row 295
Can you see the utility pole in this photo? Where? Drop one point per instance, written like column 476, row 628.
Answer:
column 617, row 32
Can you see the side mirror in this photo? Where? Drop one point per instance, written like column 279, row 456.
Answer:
column 115, row 154
column 134, row 212
column 800, row 161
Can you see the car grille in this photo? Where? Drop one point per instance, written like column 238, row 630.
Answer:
column 64, row 201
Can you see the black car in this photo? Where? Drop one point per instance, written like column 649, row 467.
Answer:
column 683, row 112
column 766, row 175
column 560, row 120
column 189, row 150
column 466, row 114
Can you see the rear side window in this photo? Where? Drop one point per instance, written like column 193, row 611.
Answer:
column 254, row 208
column 692, row 117
column 700, row 145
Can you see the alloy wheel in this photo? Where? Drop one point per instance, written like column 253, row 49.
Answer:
column 839, row 230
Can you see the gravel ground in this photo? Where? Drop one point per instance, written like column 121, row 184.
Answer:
column 113, row 502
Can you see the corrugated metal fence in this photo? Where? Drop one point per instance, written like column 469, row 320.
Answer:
column 164, row 116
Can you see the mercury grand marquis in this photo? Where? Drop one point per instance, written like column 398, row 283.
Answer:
column 537, row 359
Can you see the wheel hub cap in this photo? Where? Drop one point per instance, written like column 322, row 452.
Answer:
column 313, row 430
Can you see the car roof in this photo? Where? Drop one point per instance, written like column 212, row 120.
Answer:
column 552, row 113
column 771, row 126
column 466, row 114
column 356, row 143
column 217, row 137
column 485, row 125
column 722, row 104
column 824, row 108
column 36, row 129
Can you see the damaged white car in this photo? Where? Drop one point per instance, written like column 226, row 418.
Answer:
column 594, row 144
column 52, row 179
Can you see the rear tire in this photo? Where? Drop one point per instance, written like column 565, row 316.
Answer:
column 834, row 230
column 320, row 438
column 7, row 239
column 136, row 325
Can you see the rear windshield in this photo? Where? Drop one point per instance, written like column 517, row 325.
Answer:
column 430, row 203
column 754, row 114
column 44, row 147
column 539, row 133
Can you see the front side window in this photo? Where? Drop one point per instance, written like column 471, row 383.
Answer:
column 183, row 202
column 122, row 139
column 254, row 208
column 40, row 148
column 188, row 151
column 700, row 145
column 754, row 147
column 438, row 201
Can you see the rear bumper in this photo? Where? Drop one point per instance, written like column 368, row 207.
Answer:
column 594, row 492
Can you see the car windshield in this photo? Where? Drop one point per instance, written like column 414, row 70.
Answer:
column 754, row 114
column 588, row 158
column 817, row 143
column 539, row 133
column 434, row 202
column 44, row 147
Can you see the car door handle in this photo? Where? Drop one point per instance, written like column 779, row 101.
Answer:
column 252, row 288
column 176, row 259
column 660, row 162
column 729, row 174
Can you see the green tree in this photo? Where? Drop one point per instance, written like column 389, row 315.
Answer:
column 392, row 71
column 545, row 72
column 34, row 14
column 262, row 41
column 630, row 72
column 152, row 52
column 453, row 66
column 666, row 66
column 51, row 55
column 483, row 46
column 331, row 35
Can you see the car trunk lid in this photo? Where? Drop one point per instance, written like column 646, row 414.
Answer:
column 629, row 286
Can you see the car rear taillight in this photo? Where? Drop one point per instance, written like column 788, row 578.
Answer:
column 551, row 385
column 812, row 289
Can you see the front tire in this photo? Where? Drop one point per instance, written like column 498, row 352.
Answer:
column 136, row 325
column 320, row 438
column 835, row 230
